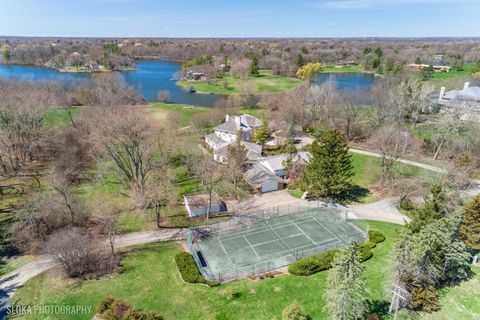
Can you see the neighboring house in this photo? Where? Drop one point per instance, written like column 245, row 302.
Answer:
column 262, row 180
column 276, row 164
column 465, row 101
column 226, row 134
column 436, row 68
column 197, row 204
column 191, row 75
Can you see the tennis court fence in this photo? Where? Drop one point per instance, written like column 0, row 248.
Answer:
column 247, row 220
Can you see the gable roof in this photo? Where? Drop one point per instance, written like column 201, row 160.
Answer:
column 245, row 122
column 256, row 175
column 470, row 93
column 276, row 162
column 254, row 151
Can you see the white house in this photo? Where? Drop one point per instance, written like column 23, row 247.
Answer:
column 465, row 101
column 226, row 134
column 262, row 180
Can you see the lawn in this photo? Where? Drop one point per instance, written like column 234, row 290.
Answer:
column 465, row 73
column 346, row 69
column 58, row 117
column 160, row 111
column 266, row 82
column 149, row 280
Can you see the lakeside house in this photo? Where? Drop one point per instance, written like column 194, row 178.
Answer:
column 465, row 101
column 197, row 204
column 227, row 133
column 436, row 68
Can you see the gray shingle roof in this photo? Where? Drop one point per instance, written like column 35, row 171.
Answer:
column 256, row 175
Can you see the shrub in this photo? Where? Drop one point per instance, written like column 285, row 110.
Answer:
column 406, row 203
column 313, row 264
column 375, row 236
column 365, row 251
column 294, row 312
column 189, row 271
column 111, row 309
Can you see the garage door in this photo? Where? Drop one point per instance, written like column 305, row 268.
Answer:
column 268, row 186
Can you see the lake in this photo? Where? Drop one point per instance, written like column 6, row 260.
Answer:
column 153, row 76
column 346, row 80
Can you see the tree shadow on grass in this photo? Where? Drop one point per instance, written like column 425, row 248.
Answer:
column 354, row 194
column 377, row 309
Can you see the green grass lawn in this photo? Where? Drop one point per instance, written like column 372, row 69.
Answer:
column 465, row 73
column 160, row 111
column 346, row 69
column 150, row 281
column 58, row 118
column 266, row 82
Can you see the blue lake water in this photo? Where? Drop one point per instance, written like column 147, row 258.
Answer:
column 153, row 76
column 347, row 81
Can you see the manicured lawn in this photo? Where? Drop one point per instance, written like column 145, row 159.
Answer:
column 465, row 73
column 347, row 69
column 266, row 82
column 10, row 264
column 160, row 111
column 149, row 280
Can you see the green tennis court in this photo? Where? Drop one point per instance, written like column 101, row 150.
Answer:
column 276, row 242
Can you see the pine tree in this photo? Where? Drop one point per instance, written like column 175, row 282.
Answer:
column 470, row 226
column 300, row 60
column 254, row 66
column 329, row 171
column 346, row 286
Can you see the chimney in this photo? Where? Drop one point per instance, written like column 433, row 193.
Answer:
column 227, row 117
column 466, row 85
column 237, row 121
column 442, row 93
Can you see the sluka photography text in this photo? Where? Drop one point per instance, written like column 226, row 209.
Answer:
column 49, row 309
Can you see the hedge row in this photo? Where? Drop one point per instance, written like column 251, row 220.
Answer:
column 189, row 270
column 323, row 261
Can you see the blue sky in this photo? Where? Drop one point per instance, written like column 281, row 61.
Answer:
column 240, row 18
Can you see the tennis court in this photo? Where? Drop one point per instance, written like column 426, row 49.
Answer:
column 275, row 242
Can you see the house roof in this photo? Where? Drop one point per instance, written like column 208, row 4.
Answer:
column 256, row 175
column 244, row 122
column 200, row 200
column 276, row 162
column 216, row 141
column 254, row 151
column 470, row 93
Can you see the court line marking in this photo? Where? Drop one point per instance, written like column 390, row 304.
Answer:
column 251, row 247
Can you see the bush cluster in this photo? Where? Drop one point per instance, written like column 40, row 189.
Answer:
column 313, row 264
column 375, row 236
column 189, row 271
column 111, row 309
column 323, row 261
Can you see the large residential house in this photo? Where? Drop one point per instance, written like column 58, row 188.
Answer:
column 226, row 134
column 466, row 102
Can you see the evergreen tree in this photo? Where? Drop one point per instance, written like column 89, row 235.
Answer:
column 470, row 226
column 254, row 66
column 329, row 171
column 345, row 294
column 300, row 60
column 435, row 203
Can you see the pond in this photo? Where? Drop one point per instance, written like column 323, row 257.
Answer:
column 153, row 76
column 148, row 78
column 346, row 80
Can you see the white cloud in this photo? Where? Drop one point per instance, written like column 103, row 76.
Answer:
column 366, row 4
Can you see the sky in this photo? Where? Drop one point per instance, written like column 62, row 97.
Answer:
column 240, row 18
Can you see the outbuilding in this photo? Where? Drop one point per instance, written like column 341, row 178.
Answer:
column 198, row 204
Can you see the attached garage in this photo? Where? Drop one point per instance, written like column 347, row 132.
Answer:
column 261, row 180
